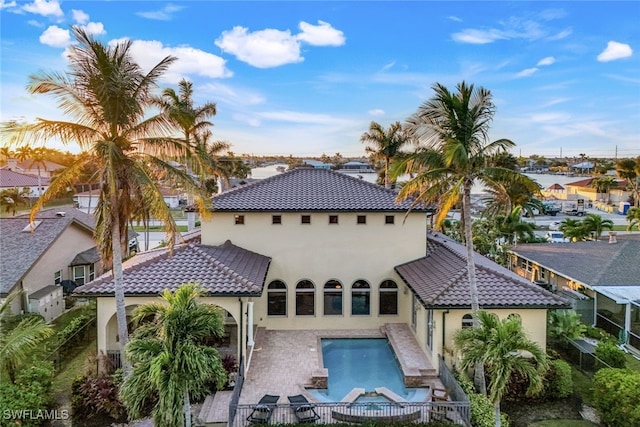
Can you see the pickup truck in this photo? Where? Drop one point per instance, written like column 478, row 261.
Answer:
column 550, row 209
column 573, row 212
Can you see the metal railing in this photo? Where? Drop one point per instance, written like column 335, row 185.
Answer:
column 237, row 389
column 326, row 413
column 67, row 349
column 456, row 393
column 586, row 361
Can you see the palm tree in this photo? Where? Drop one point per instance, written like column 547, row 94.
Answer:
column 513, row 228
column 573, row 229
column 504, row 196
column 603, row 185
column 385, row 144
column 170, row 359
column 453, row 128
column 633, row 217
column 629, row 169
column 18, row 343
column 106, row 96
column 12, row 198
column 595, row 223
column 504, row 349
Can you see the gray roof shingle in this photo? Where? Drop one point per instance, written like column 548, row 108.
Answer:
column 308, row 189
column 591, row 263
column 440, row 280
column 21, row 249
column 221, row 270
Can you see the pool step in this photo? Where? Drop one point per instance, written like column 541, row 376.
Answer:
column 416, row 366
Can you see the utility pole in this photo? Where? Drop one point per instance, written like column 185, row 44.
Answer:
column 560, row 152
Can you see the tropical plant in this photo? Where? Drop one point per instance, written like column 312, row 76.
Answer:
column 617, row 397
column 573, row 229
column 602, row 185
column 384, row 144
column 18, row 343
column 452, row 130
column 506, row 195
column 106, row 96
column 611, row 354
column 564, row 325
column 504, row 349
column 633, row 217
column 629, row 169
column 596, row 224
column 13, row 198
column 512, row 227
column 170, row 358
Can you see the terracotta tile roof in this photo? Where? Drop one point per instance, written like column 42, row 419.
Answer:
column 590, row 263
column 440, row 280
column 621, row 184
column 309, row 189
column 222, row 270
column 21, row 249
column 10, row 179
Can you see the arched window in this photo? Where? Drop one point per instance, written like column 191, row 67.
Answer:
column 360, row 298
column 277, row 298
column 305, row 298
column 332, row 298
column 388, row 297
column 467, row 321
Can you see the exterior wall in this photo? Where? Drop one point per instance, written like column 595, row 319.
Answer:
column 72, row 241
column 534, row 322
column 319, row 252
column 107, row 325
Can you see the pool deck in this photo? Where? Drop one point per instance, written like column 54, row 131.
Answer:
column 284, row 363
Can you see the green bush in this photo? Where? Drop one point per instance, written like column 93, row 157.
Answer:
column 600, row 335
column 611, row 355
column 616, row 396
column 482, row 409
column 559, row 380
column 30, row 392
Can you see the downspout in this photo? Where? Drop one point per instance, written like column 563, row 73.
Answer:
column 241, row 341
column 444, row 313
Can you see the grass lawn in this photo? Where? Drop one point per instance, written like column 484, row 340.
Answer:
column 633, row 363
column 563, row 423
column 582, row 386
column 61, row 386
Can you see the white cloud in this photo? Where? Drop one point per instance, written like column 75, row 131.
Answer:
column 262, row 49
column 7, row 5
column 304, row 118
column 95, row 28
column 478, row 36
column 546, row 61
column 164, row 14
column 234, row 96
column 44, row 8
column 322, row 34
column 376, row 112
column 79, row 16
column 561, row 35
column 35, row 23
column 615, row 51
column 455, row 18
column 191, row 61
column 527, row 72
column 55, row 36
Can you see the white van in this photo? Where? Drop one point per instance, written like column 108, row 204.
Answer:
column 556, row 237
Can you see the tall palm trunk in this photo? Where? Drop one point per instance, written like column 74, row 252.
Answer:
column 479, row 380
column 121, row 313
column 187, row 409
column 387, row 181
column 496, row 408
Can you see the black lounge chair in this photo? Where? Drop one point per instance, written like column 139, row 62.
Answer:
column 303, row 409
column 262, row 412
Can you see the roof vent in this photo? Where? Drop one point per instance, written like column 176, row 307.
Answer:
column 62, row 213
column 32, row 226
column 612, row 237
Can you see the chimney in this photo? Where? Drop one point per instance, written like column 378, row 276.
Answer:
column 612, row 237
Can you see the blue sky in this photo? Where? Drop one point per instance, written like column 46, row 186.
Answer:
column 306, row 78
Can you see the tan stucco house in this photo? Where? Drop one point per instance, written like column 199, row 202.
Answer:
column 39, row 258
column 313, row 249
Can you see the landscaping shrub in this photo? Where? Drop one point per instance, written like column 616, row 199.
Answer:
column 616, row 396
column 31, row 391
column 91, row 397
column 482, row 409
column 559, row 380
column 565, row 324
column 600, row 335
column 611, row 355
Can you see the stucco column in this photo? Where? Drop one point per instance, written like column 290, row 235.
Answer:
column 250, row 323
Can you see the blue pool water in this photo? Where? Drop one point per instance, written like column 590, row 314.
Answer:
column 360, row 362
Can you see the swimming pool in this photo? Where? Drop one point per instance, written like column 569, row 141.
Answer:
column 368, row 363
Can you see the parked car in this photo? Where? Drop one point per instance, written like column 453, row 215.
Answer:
column 554, row 225
column 556, row 237
column 574, row 212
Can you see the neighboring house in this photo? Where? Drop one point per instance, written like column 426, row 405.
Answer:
column 32, row 167
column 356, row 167
column 584, row 189
column 88, row 200
column 317, row 164
column 10, row 179
column 607, row 272
column 312, row 249
column 37, row 258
